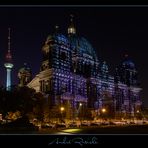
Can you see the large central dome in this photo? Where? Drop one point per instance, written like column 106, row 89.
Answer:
column 82, row 46
column 79, row 44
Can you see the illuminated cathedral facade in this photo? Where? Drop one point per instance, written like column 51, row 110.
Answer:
column 71, row 75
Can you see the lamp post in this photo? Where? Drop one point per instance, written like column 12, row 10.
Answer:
column 80, row 111
column 137, row 115
column 103, row 110
column 62, row 109
column 140, row 113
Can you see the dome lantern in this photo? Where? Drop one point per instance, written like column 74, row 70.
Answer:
column 71, row 28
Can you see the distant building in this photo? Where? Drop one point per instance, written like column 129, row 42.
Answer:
column 71, row 74
column 24, row 75
column 8, row 64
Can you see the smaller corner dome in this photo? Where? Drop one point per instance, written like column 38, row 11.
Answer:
column 104, row 65
column 128, row 63
column 49, row 37
column 25, row 68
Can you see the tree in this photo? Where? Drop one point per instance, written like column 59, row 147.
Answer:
column 38, row 106
column 18, row 99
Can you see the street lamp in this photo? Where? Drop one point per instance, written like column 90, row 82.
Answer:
column 80, row 104
column 103, row 110
column 140, row 113
column 62, row 109
column 136, row 115
column 80, row 111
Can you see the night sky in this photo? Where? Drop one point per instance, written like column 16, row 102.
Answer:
column 112, row 31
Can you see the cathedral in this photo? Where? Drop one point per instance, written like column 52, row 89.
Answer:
column 71, row 76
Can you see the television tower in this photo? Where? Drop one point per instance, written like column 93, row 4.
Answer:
column 8, row 64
